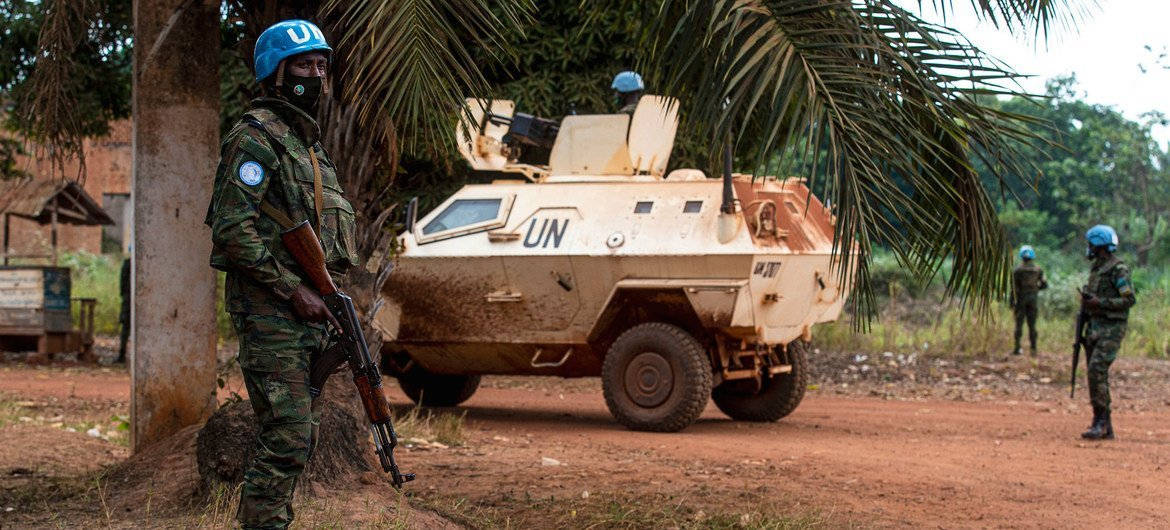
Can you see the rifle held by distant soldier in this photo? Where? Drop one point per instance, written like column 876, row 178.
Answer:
column 350, row 347
column 1082, row 323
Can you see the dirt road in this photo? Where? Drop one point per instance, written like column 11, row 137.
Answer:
column 851, row 460
column 838, row 460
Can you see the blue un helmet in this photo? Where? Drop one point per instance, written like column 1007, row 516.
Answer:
column 1027, row 252
column 1101, row 236
column 627, row 81
column 286, row 39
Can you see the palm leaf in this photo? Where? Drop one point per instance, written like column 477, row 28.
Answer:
column 879, row 108
column 1017, row 15
column 408, row 63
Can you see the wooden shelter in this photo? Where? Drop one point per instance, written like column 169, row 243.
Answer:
column 48, row 202
column 36, row 306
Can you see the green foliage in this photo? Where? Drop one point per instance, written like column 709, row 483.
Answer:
column 97, row 276
column 86, row 70
column 409, row 63
column 1100, row 167
column 9, row 150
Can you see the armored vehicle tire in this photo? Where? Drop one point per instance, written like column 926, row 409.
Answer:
column 656, row 377
column 435, row 390
column 778, row 398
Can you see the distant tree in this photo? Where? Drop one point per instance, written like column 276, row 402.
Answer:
column 1098, row 167
column 65, row 69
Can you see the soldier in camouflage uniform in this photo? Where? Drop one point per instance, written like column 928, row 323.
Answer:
column 1027, row 281
column 1106, row 300
column 273, row 170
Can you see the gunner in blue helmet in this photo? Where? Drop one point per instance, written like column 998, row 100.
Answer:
column 628, row 88
column 1027, row 281
column 273, row 171
column 1105, row 301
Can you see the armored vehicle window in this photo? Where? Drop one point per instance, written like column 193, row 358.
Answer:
column 643, row 207
column 464, row 212
column 692, row 206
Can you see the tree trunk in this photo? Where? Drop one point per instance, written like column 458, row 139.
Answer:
column 226, row 444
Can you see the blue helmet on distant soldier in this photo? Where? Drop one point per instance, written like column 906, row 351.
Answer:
column 286, row 39
column 1101, row 236
column 627, row 81
column 1027, row 252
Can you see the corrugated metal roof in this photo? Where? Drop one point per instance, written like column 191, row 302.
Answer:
column 33, row 199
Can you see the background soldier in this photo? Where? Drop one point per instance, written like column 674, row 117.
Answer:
column 628, row 88
column 1027, row 281
column 273, row 172
column 124, row 314
column 1106, row 300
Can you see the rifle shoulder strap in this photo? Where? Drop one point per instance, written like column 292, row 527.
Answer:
column 272, row 210
column 276, row 214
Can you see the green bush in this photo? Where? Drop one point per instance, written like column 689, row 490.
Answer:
column 97, row 276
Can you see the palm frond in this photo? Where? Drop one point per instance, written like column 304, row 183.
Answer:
column 881, row 111
column 1017, row 15
column 50, row 100
column 409, row 62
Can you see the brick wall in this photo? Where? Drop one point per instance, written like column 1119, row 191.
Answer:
column 108, row 163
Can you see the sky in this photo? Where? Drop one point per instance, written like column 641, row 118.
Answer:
column 1104, row 50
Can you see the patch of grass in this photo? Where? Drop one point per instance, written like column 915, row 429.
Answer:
column 443, row 427
column 953, row 332
column 220, row 511
column 915, row 318
column 10, row 412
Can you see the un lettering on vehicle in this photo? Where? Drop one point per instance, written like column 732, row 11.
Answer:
column 546, row 232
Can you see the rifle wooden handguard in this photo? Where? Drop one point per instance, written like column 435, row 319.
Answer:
column 377, row 409
column 302, row 243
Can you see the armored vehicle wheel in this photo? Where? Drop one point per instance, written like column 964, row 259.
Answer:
column 656, row 377
column 777, row 398
column 435, row 390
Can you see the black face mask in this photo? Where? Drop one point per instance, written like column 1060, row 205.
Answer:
column 304, row 92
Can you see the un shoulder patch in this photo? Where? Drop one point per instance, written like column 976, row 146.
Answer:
column 251, row 173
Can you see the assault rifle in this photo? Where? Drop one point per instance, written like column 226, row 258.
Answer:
column 350, row 348
column 1082, row 323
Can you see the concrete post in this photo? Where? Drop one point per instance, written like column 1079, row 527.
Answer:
column 176, row 144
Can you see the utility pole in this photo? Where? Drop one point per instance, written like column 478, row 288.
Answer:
column 176, row 146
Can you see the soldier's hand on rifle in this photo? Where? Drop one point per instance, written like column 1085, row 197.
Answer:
column 1091, row 302
column 309, row 306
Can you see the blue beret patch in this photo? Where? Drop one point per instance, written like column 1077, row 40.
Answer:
column 251, row 173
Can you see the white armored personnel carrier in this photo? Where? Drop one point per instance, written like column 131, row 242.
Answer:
column 673, row 288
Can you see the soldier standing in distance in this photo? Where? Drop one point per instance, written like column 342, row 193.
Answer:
column 628, row 88
column 1027, row 281
column 273, row 172
column 1106, row 300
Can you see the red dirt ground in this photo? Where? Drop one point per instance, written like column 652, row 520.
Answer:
column 846, row 460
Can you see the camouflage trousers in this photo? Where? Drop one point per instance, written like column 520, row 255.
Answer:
column 1026, row 312
column 1105, row 338
column 274, row 357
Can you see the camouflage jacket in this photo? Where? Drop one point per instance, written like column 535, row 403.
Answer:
column 1109, row 281
column 1027, row 281
column 266, row 157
